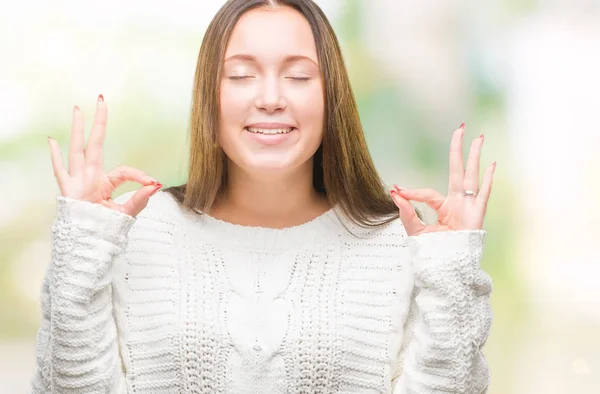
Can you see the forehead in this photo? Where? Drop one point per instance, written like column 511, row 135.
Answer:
column 271, row 33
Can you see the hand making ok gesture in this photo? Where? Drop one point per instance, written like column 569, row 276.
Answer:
column 85, row 179
column 465, row 206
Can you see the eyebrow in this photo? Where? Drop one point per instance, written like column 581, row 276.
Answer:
column 287, row 59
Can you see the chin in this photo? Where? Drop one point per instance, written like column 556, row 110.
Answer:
column 268, row 164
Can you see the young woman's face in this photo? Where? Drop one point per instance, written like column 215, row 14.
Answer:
column 271, row 99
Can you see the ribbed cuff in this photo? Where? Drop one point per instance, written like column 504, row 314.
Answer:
column 449, row 240
column 446, row 255
column 107, row 223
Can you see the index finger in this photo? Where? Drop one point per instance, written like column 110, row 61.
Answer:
column 95, row 145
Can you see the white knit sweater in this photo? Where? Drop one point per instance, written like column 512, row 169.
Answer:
column 174, row 302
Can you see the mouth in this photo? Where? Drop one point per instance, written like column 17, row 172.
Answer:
column 256, row 130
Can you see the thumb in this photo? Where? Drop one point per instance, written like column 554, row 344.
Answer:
column 408, row 216
column 139, row 200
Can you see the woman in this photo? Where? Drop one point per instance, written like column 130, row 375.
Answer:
column 282, row 265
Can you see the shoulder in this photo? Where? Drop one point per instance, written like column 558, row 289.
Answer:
column 379, row 253
column 392, row 233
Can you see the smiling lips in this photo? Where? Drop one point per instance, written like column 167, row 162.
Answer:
column 257, row 130
column 270, row 133
column 270, row 128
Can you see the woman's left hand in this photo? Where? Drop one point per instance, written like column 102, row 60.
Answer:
column 456, row 211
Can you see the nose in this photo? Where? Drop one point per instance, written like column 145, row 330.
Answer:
column 270, row 98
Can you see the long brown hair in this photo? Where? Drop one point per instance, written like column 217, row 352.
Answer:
column 343, row 169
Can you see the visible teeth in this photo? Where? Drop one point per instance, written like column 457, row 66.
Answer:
column 269, row 131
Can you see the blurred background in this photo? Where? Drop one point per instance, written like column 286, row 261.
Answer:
column 523, row 72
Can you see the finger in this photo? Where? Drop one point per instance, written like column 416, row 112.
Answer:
column 431, row 197
column 95, row 145
column 457, row 171
column 136, row 203
column 472, row 171
column 486, row 187
column 408, row 216
column 58, row 165
column 122, row 174
column 76, row 156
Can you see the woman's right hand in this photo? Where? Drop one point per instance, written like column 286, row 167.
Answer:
column 85, row 180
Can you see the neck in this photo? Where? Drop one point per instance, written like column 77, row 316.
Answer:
column 275, row 200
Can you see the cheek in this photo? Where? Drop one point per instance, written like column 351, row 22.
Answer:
column 309, row 106
column 233, row 104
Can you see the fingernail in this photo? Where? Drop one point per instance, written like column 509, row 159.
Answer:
column 100, row 98
column 481, row 136
column 462, row 131
column 399, row 189
column 152, row 180
column 155, row 190
column 75, row 108
column 494, row 167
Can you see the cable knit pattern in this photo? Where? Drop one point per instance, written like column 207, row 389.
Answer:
column 175, row 302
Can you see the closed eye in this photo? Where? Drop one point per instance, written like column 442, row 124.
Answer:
column 237, row 77
column 299, row 78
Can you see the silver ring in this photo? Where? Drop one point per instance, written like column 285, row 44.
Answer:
column 470, row 193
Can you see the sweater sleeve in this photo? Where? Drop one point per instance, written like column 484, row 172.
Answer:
column 77, row 349
column 449, row 318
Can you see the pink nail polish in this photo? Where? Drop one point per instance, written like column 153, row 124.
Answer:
column 155, row 190
column 462, row 126
column 100, row 97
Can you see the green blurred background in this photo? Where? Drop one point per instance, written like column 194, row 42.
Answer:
column 525, row 73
